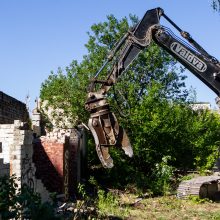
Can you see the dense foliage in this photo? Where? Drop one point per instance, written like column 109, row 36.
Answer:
column 66, row 89
column 216, row 5
column 17, row 203
column 165, row 132
column 166, row 136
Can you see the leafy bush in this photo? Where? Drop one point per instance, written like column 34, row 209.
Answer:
column 16, row 203
column 162, row 175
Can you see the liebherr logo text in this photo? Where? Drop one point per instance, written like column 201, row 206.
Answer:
column 194, row 61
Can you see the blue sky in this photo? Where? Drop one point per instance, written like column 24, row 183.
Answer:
column 38, row 36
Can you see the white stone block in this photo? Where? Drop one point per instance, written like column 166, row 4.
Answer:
column 18, row 123
column 36, row 117
column 6, row 126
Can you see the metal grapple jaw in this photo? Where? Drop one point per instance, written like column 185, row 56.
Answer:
column 106, row 130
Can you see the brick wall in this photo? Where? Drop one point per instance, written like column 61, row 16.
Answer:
column 50, row 163
column 48, row 159
column 11, row 109
column 56, row 159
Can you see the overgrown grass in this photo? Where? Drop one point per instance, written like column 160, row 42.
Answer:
column 116, row 204
column 169, row 207
column 110, row 205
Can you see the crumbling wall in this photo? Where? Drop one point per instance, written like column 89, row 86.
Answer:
column 61, row 151
column 6, row 140
column 50, row 163
column 58, row 153
column 48, row 158
column 16, row 156
column 16, row 145
column 4, row 162
column 11, row 109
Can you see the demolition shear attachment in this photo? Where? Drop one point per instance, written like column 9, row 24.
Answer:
column 106, row 130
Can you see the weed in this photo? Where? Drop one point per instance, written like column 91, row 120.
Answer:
column 188, row 177
column 109, row 205
column 198, row 200
column 163, row 174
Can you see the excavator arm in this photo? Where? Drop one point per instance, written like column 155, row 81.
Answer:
column 102, row 122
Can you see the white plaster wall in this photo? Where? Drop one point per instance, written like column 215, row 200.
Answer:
column 6, row 138
column 16, row 156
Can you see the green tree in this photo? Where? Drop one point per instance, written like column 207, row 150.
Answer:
column 162, row 128
column 216, row 5
column 173, row 129
column 67, row 89
column 160, row 122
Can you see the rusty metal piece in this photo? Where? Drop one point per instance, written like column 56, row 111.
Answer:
column 105, row 129
column 126, row 145
column 101, row 142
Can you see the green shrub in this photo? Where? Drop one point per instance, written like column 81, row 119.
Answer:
column 162, row 175
column 22, row 202
column 108, row 205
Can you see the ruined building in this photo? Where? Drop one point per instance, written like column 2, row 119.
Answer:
column 49, row 163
